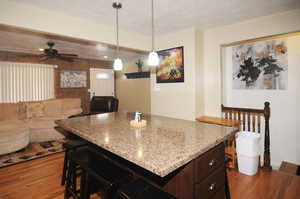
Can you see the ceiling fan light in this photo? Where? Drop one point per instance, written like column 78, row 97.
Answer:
column 153, row 59
column 118, row 64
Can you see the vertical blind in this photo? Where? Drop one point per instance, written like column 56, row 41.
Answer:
column 26, row 82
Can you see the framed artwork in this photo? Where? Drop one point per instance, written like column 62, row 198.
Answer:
column 171, row 66
column 260, row 65
column 73, row 79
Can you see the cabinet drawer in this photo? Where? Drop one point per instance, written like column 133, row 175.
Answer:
column 211, row 184
column 209, row 162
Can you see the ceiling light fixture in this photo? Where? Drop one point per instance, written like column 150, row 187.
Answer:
column 153, row 59
column 105, row 56
column 118, row 64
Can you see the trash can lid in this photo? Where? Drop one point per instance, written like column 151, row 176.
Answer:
column 247, row 135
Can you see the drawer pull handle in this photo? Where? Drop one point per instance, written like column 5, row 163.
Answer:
column 212, row 163
column 212, row 187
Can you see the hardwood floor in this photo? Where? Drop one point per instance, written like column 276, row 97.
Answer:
column 264, row 185
column 40, row 179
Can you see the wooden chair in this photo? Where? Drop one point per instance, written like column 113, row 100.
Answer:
column 250, row 120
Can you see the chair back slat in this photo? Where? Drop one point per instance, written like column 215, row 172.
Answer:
column 248, row 121
column 226, row 114
column 244, row 121
column 249, row 118
column 253, row 121
column 235, row 115
column 258, row 122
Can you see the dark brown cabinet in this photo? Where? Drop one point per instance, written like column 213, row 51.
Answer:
column 202, row 178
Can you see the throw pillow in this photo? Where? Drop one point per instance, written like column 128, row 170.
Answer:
column 35, row 109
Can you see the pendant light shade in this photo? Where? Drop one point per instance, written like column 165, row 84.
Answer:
column 153, row 59
column 118, row 64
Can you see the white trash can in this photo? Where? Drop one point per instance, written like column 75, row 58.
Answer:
column 248, row 150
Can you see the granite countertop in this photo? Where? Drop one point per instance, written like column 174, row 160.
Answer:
column 161, row 147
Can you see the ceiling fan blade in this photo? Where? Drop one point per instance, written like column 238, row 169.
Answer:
column 64, row 58
column 44, row 58
column 68, row 55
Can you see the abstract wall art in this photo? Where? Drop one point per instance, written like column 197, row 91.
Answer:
column 260, row 65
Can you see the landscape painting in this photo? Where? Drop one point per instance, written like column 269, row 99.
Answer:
column 171, row 67
column 73, row 79
column 260, row 65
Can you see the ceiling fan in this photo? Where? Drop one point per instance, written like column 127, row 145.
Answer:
column 50, row 52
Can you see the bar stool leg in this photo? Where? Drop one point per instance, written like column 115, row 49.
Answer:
column 227, row 190
column 65, row 168
column 82, row 184
column 69, row 179
column 86, row 189
column 74, row 181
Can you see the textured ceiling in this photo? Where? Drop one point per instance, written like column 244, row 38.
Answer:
column 170, row 15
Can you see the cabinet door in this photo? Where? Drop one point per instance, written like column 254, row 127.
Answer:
column 209, row 162
column 211, row 185
column 102, row 82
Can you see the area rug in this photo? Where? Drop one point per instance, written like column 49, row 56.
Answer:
column 31, row 152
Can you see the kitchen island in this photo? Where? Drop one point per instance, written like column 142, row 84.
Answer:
column 184, row 158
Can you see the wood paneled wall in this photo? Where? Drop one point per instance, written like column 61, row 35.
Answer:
column 77, row 64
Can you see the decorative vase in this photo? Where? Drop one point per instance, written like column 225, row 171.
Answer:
column 269, row 81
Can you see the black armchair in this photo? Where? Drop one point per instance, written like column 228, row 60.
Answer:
column 104, row 104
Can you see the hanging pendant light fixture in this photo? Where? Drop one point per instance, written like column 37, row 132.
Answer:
column 118, row 64
column 153, row 59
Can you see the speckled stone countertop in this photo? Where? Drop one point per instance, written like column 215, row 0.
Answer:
column 161, row 147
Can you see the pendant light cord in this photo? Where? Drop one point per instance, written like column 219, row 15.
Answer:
column 117, row 22
column 152, row 8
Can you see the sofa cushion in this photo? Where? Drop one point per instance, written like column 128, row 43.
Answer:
column 70, row 104
column 71, row 112
column 35, row 109
column 53, row 108
column 14, row 135
column 9, row 111
column 42, row 135
column 43, row 123
column 22, row 111
column 12, row 129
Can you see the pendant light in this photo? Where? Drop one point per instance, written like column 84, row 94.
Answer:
column 118, row 64
column 153, row 59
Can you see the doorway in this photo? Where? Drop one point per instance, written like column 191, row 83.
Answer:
column 102, row 82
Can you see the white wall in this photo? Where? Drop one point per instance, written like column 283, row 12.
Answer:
column 26, row 16
column 133, row 94
column 199, row 71
column 284, row 108
column 177, row 99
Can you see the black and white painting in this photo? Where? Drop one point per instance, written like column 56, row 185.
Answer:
column 260, row 65
column 73, row 79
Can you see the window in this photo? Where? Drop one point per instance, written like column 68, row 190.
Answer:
column 26, row 82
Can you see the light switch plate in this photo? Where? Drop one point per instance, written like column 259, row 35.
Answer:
column 156, row 87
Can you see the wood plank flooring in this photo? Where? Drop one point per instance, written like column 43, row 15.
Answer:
column 264, row 185
column 40, row 179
